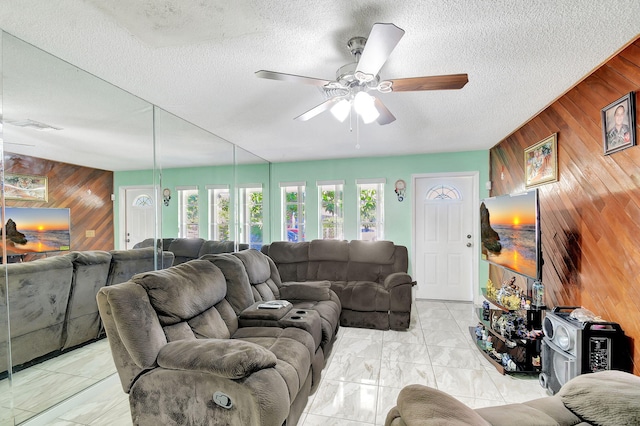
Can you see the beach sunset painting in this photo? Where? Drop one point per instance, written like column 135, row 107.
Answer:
column 37, row 230
column 514, row 219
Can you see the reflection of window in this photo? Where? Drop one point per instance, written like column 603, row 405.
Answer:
column 330, row 210
column 188, row 215
column 371, row 209
column 443, row 192
column 251, row 215
column 143, row 201
column 293, row 216
column 219, row 212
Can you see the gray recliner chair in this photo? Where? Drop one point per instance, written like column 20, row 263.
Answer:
column 184, row 360
column 605, row 398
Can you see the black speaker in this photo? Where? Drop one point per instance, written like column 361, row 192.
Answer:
column 571, row 347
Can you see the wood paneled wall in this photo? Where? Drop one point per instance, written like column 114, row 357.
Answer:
column 85, row 191
column 591, row 215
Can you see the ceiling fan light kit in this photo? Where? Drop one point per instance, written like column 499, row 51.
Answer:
column 355, row 80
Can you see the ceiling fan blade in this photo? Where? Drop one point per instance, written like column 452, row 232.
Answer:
column 434, row 82
column 272, row 75
column 380, row 43
column 385, row 116
column 318, row 109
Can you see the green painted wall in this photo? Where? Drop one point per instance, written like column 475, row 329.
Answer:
column 397, row 215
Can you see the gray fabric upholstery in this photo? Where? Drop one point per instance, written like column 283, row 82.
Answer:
column 603, row 398
column 90, row 272
column 267, row 284
column 176, row 340
column 126, row 263
column 369, row 277
column 185, row 249
column 38, row 294
column 53, row 300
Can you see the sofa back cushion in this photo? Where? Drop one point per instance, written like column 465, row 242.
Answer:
column 38, row 297
column 90, row 273
column 216, row 247
column 374, row 260
column 126, row 263
column 292, row 259
column 239, row 292
column 185, row 249
column 183, row 291
column 328, row 260
column 262, row 274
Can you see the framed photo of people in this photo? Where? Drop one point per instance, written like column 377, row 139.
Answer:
column 619, row 124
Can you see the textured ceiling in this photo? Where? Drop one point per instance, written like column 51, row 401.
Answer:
column 197, row 59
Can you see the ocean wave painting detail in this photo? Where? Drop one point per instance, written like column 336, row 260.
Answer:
column 43, row 241
column 518, row 248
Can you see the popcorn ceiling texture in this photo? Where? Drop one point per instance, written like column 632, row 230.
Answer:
column 197, row 60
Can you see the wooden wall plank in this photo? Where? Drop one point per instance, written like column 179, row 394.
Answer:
column 591, row 216
column 85, row 191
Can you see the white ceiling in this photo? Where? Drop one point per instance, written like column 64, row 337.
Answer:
column 197, row 59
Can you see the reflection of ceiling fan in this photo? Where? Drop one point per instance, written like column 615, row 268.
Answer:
column 354, row 81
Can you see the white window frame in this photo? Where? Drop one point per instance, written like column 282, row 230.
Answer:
column 245, row 214
column 183, row 194
column 215, row 193
column 338, row 215
column 378, row 223
column 300, row 221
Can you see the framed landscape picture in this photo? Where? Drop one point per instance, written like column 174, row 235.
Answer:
column 541, row 162
column 25, row 187
column 619, row 124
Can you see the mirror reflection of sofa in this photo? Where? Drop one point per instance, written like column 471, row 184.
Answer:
column 53, row 300
column 185, row 249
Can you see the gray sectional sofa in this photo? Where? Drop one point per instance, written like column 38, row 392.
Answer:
column 369, row 277
column 53, row 300
column 192, row 346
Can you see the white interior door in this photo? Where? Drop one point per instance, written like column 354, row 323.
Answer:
column 444, row 214
column 139, row 215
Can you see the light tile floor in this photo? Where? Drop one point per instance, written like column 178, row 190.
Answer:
column 366, row 371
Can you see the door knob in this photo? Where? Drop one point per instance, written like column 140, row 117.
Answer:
column 468, row 244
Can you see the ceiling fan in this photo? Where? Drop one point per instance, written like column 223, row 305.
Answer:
column 356, row 80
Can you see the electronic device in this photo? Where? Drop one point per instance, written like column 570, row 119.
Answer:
column 572, row 346
column 510, row 233
column 37, row 230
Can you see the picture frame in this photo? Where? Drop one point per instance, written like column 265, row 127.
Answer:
column 25, row 187
column 541, row 162
column 619, row 124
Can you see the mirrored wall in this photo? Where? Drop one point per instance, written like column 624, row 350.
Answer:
column 90, row 168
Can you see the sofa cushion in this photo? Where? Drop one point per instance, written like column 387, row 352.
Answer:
column 256, row 264
column 239, row 293
column 216, row 247
column 232, row 359
column 288, row 252
column 325, row 250
column 604, row 398
column 417, row 403
column 363, row 296
column 378, row 252
column 183, row 291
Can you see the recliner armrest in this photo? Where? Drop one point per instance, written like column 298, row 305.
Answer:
column 308, row 290
column 228, row 358
column 396, row 279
